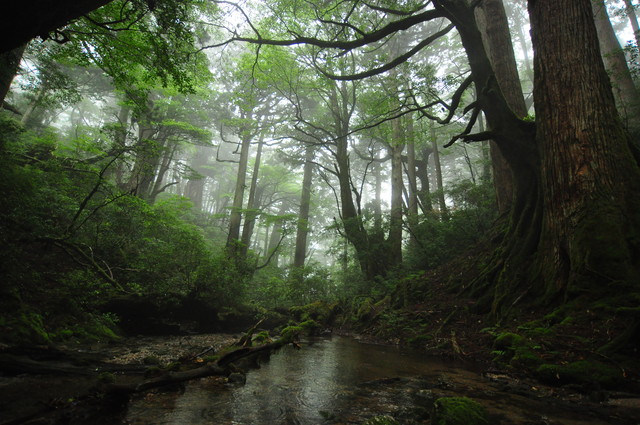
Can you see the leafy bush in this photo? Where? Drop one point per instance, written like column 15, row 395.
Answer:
column 439, row 240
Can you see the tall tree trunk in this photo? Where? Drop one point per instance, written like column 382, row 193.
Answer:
column 194, row 189
column 519, row 24
column 633, row 19
column 444, row 212
column 252, row 207
column 377, row 201
column 422, row 173
column 371, row 263
column 9, row 64
column 276, row 236
column 146, row 158
column 235, row 218
column 494, row 26
column 624, row 90
column 303, row 215
column 35, row 102
column 161, row 173
column 515, row 139
column 394, row 240
column 591, row 224
column 412, row 202
column 486, row 159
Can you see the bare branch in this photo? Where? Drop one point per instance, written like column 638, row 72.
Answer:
column 389, row 65
column 369, row 38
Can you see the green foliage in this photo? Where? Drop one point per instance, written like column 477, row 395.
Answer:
column 458, row 411
column 142, row 46
column 70, row 240
column 440, row 240
column 320, row 311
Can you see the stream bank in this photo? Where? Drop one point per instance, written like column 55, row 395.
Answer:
column 331, row 380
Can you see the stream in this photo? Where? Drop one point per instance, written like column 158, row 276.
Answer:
column 341, row 381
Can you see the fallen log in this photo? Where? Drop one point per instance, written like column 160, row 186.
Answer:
column 110, row 399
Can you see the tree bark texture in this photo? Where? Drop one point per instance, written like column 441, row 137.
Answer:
column 516, row 140
column 589, row 179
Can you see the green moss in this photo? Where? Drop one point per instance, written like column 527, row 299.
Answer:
column 320, row 311
column 25, row 327
column 458, row 411
column 173, row 367
column 261, row 337
column 535, row 329
column 291, row 332
column 381, row 420
column 507, row 341
column 365, row 310
column 106, row 378
column 580, row 372
column 515, row 350
column 211, row 359
column 525, row 357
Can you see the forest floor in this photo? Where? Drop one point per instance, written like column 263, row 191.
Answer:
column 557, row 347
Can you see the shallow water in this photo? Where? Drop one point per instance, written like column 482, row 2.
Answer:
column 340, row 381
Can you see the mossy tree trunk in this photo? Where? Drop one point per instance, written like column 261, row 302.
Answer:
column 590, row 182
column 573, row 226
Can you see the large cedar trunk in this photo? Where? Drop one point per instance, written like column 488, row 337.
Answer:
column 573, row 226
column 589, row 179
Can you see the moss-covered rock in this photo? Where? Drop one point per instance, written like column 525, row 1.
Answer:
column 458, row 411
column 515, row 350
column 580, row 372
column 507, row 341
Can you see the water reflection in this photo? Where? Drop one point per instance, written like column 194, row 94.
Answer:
column 305, row 386
column 339, row 381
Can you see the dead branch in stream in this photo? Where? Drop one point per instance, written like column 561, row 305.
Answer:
column 113, row 396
